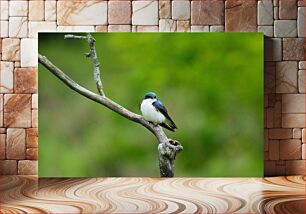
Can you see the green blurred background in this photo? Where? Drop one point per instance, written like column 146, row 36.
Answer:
column 211, row 84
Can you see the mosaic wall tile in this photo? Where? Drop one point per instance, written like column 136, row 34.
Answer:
column 11, row 49
column 183, row 26
column 269, row 77
column 164, row 9
column 27, row 167
column 32, row 154
column 301, row 21
column 35, row 101
column 293, row 120
column 75, row 28
column 15, row 143
column 287, row 9
column 18, row 27
column 302, row 65
column 39, row 26
column 34, row 119
column 17, row 110
column 36, row 10
column 147, row 28
column 280, row 133
column 101, row 28
column 29, row 52
column 269, row 168
column 7, row 77
column 301, row 83
column 265, row 12
column 18, row 8
column 119, row 12
column 119, row 28
column 275, row 13
column 180, row 10
column 81, row 12
column 199, row 28
column 293, row 49
column 301, row 3
column 32, row 138
column 274, row 150
column 295, row 167
column 297, row 133
column 216, row 28
column 2, row 146
column 8, row 167
column 145, row 13
column 241, row 15
column 25, row 80
column 285, row 28
column 4, row 6
column 1, row 113
column 4, row 29
column 267, row 30
column 286, row 77
column 167, row 25
column 290, row 149
column 293, row 103
column 50, row 10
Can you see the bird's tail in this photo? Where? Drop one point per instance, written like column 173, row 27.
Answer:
column 171, row 123
column 169, row 127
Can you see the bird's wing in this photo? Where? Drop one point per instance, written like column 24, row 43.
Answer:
column 162, row 109
column 166, row 126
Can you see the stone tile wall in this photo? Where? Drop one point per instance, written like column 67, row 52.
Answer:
column 282, row 21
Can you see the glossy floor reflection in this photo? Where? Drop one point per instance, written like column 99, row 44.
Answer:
column 153, row 195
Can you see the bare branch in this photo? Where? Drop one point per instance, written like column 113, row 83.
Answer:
column 71, row 36
column 167, row 148
column 93, row 55
column 91, row 95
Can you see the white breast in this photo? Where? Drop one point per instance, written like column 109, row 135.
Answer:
column 150, row 113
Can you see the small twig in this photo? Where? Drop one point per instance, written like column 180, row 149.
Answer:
column 167, row 153
column 93, row 55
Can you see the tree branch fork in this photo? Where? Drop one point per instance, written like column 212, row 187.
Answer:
column 167, row 147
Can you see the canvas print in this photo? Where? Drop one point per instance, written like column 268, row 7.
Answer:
column 151, row 104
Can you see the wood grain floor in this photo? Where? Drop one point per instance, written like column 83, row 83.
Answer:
column 152, row 195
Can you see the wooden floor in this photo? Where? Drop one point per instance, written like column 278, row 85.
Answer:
column 153, row 195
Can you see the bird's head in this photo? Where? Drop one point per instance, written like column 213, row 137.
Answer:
column 150, row 95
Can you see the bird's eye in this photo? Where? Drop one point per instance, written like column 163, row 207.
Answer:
column 154, row 97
